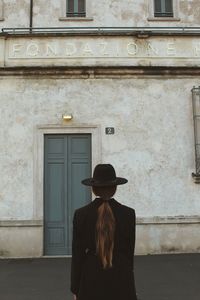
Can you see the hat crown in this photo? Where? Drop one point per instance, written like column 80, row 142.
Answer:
column 104, row 173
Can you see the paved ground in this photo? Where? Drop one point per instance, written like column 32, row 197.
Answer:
column 158, row 277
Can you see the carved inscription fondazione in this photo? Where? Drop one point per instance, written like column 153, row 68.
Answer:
column 97, row 48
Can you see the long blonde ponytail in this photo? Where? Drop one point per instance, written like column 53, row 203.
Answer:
column 105, row 226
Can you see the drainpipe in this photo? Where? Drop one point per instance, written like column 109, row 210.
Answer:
column 31, row 15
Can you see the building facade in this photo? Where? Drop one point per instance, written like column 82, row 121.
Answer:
column 87, row 82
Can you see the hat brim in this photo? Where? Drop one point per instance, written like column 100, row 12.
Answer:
column 92, row 182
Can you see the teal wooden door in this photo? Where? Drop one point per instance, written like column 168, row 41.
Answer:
column 67, row 161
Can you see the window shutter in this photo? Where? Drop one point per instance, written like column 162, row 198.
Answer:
column 157, row 6
column 81, row 7
column 169, row 7
column 76, row 8
column 70, row 7
column 163, row 8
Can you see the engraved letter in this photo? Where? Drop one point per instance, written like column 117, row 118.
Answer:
column 87, row 50
column 170, row 49
column 32, row 49
column 132, row 48
column 151, row 49
column 197, row 50
column 16, row 49
column 103, row 48
column 70, row 49
column 50, row 50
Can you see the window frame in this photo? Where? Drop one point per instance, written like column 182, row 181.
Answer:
column 163, row 18
column 64, row 17
column 1, row 10
column 163, row 12
column 76, row 13
column 196, row 121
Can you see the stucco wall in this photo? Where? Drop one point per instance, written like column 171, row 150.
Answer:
column 14, row 13
column 104, row 13
column 152, row 146
column 167, row 238
column 21, row 240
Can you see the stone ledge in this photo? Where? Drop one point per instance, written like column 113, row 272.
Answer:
column 168, row 220
column 21, row 223
column 76, row 19
column 99, row 72
column 163, row 19
column 140, row 221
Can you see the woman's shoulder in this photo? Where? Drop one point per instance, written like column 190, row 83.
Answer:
column 128, row 209
column 127, row 213
column 119, row 208
column 82, row 210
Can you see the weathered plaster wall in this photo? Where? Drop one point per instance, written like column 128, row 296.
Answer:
column 189, row 12
column 152, row 146
column 116, row 13
column 167, row 238
column 21, row 241
column 104, row 13
column 15, row 13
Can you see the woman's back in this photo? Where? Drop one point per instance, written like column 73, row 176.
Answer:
column 94, row 282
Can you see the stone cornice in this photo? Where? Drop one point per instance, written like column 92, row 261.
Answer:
column 140, row 32
column 157, row 220
column 99, row 72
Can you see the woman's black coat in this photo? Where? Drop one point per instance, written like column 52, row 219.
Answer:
column 88, row 279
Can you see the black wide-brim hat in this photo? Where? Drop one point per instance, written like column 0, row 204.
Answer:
column 104, row 175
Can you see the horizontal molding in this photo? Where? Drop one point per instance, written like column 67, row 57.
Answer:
column 76, row 19
column 163, row 19
column 21, row 223
column 157, row 220
column 102, row 31
column 99, row 72
column 70, row 127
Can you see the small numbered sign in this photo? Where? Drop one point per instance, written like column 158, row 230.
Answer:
column 110, row 130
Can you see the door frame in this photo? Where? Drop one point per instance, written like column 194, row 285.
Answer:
column 38, row 166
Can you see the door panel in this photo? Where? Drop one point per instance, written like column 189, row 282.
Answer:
column 79, row 168
column 67, row 162
column 55, row 205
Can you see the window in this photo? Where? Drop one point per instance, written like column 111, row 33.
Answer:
column 163, row 8
column 1, row 10
column 76, row 8
column 196, row 117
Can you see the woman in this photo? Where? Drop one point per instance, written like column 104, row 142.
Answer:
column 103, row 243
